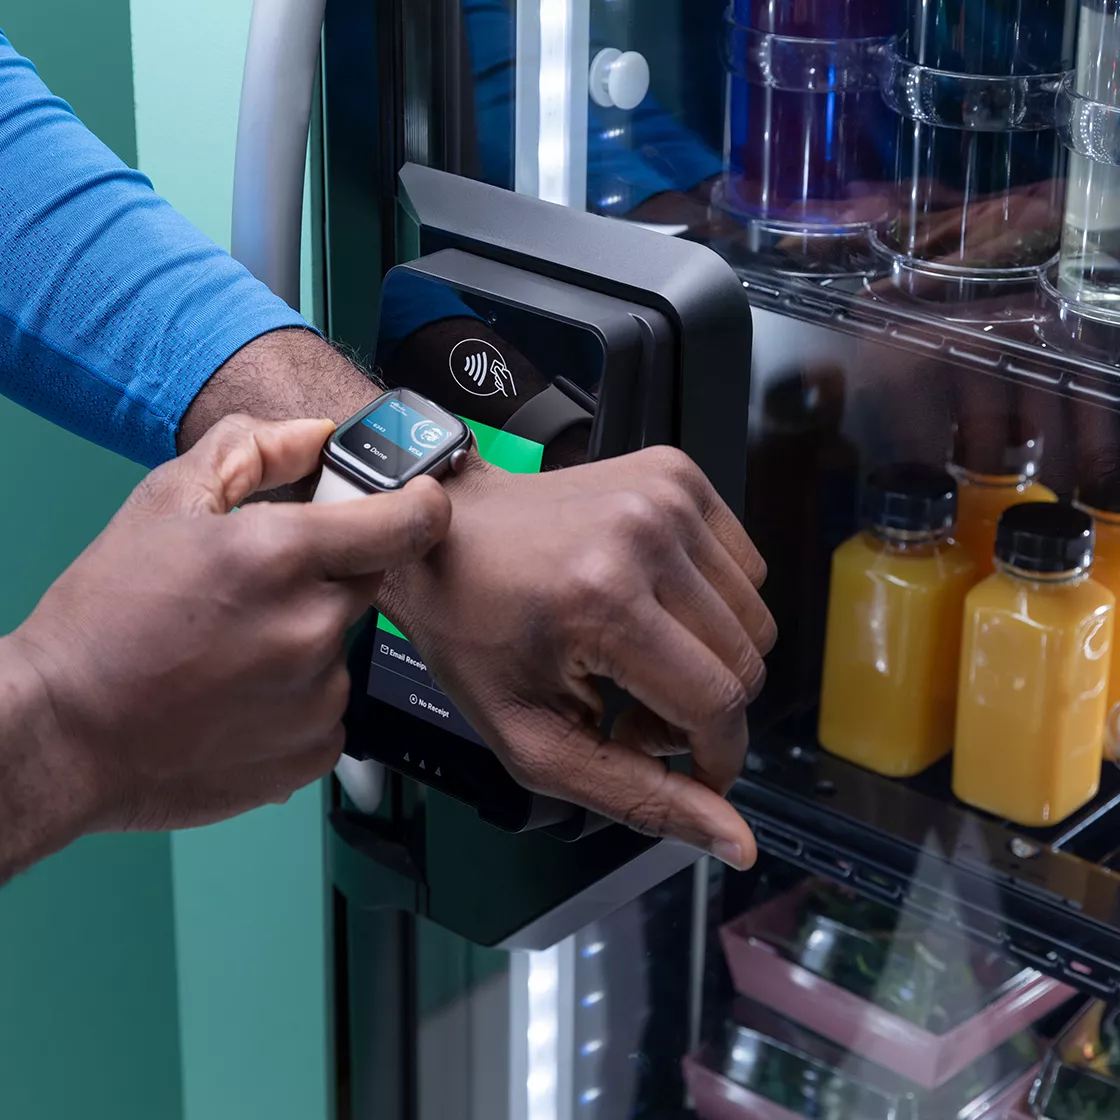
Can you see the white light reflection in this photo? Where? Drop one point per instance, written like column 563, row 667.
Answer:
column 555, row 100
column 542, row 1034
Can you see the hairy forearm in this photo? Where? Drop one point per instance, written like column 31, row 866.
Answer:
column 284, row 375
column 45, row 799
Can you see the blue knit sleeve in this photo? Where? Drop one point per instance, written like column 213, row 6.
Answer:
column 114, row 310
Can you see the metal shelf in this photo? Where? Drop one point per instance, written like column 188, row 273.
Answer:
column 1048, row 898
column 1014, row 348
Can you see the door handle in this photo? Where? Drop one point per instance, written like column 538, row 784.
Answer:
column 619, row 79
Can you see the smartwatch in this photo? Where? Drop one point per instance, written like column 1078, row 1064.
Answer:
column 384, row 446
column 398, row 437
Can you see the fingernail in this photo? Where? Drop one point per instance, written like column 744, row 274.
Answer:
column 731, row 854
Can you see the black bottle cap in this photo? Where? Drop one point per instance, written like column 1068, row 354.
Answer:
column 909, row 498
column 1101, row 494
column 997, row 444
column 1045, row 537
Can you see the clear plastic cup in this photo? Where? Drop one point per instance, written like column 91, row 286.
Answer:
column 1089, row 267
column 980, row 172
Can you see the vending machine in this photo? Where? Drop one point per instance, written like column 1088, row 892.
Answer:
column 861, row 260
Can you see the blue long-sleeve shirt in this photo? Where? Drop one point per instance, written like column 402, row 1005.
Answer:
column 114, row 310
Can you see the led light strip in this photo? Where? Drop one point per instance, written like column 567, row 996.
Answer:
column 542, row 1035
column 553, row 143
column 542, row 1045
column 553, row 49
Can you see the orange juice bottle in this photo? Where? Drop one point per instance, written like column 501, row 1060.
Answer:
column 1101, row 500
column 894, row 626
column 1034, row 671
column 995, row 460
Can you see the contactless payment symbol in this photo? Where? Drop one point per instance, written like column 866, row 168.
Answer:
column 428, row 435
column 479, row 369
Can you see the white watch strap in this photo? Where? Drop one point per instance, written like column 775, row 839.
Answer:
column 363, row 781
column 334, row 488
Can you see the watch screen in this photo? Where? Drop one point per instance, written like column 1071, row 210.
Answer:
column 395, row 439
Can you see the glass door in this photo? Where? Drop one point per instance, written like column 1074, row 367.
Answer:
column 919, row 201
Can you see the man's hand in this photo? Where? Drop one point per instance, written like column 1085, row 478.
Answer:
column 632, row 570
column 190, row 665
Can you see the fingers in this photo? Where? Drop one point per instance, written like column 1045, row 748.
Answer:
column 236, row 458
column 679, row 469
column 638, row 791
column 352, row 540
column 669, row 670
column 715, row 593
column 733, row 587
column 734, row 624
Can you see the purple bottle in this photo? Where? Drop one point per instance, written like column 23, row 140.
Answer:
column 810, row 140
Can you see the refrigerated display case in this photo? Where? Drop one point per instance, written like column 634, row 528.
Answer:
column 916, row 201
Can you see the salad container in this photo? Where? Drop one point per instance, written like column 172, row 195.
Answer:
column 889, row 987
column 766, row 1067
column 1080, row 1077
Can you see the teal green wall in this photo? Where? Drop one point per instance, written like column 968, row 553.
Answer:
column 250, row 895
column 88, row 1015
column 148, row 977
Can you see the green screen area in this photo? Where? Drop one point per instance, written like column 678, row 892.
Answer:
column 512, row 453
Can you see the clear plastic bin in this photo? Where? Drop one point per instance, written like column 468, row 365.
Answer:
column 909, row 998
column 767, row 1068
column 1081, row 1075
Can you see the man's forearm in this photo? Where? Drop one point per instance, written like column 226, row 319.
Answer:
column 284, row 375
column 45, row 802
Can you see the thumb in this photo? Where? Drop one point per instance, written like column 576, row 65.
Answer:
column 350, row 540
column 238, row 457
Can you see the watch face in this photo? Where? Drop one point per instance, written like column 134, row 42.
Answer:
column 400, row 436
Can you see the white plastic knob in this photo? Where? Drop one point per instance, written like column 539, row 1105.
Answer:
column 619, row 79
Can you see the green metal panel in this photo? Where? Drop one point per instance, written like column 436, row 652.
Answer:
column 88, row 1013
